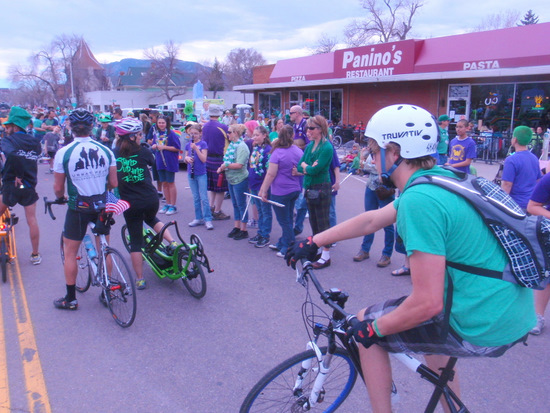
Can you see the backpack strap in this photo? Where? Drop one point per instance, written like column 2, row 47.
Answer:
column 475, row 270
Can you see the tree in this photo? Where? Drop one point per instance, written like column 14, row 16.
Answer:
column 387, row 20
column 325, row 44
column 211, row 75
column 239, row 64
column 502, row 20
column 54, row 73
column 164, row 72
column 529, row 18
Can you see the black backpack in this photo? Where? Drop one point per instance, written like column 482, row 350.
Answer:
column 525, row 238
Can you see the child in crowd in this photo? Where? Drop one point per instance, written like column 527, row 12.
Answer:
column 351, row 161
column 195, row 155
column 167, row 144
column 463, row 148
column 51, row 142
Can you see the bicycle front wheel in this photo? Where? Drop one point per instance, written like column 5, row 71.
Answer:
column 121, row 291
column 4, row 252
column 275, row 391
column 194, row 280
column 84, row 274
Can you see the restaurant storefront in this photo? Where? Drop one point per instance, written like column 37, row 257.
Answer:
column 499, row 79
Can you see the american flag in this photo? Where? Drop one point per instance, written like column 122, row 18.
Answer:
column 115, row 205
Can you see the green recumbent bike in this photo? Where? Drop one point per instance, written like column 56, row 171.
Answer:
column 185, row 262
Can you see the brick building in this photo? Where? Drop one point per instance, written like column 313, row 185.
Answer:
column 499, row 78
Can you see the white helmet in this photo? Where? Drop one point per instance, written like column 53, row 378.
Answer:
column 414, row 129
column 128, row 125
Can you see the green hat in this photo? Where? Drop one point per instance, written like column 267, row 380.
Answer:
column 19, row 117
column 443, row 118
column 523, row 134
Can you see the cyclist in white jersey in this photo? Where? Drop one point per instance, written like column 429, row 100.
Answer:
column 90, row 170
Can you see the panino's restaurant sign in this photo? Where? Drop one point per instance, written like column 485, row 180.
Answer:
column 385, row 59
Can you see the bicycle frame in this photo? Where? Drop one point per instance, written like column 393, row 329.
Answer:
column 166, row 265
column 339, row 323
column 7, row 240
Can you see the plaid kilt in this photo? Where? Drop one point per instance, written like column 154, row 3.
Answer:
column 212, row 166
column 430, row 337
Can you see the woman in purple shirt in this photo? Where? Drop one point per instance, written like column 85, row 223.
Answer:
column 285, row 188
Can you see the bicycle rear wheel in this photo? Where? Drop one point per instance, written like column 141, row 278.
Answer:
column 121, row 292
column 275, row 391
column 4, row 252
column 194, row 280
column 84, row 274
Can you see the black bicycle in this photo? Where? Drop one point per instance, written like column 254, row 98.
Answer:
column 321, row 378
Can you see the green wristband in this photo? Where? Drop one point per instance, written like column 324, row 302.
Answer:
column 375, row 326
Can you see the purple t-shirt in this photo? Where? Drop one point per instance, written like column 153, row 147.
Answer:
column 522, row 169
column 198, row 167
column 284, row 183
column 300, row 131
column 256, row 176
column 214, row 134
column 462, row 150
column 168, row 160
column 541, row 193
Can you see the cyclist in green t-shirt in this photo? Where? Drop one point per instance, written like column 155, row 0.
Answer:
column 448, row 312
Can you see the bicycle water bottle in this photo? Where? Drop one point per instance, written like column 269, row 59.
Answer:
column 89, row 245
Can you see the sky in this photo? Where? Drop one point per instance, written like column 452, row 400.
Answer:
column 209, row 29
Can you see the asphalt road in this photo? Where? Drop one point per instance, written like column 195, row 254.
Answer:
column 188, row 355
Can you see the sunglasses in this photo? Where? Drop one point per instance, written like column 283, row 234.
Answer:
column 312, row 127
column 292, row 113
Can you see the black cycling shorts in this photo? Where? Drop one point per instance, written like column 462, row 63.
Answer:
column 76, row 224
column 12, row 195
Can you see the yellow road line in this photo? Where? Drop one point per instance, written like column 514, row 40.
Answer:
column 4, row 384
column 37, row 394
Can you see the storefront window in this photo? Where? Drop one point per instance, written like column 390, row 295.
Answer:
column 327, row 103
column 270, row 103
column 491, row 107
column 532, row 105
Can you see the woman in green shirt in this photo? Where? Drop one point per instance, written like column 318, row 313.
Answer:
column 315, row 165
column 234, row 166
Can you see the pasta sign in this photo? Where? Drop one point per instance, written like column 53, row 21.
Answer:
column 386, row 59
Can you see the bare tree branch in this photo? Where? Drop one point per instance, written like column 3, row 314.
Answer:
column 387, row 20
column 325, row 44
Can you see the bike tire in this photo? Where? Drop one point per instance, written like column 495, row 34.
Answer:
column 4, row 252
column 125, row 237
column 274, row 391
column 121, row 295
column 84, row 274
column 194, row 280
column 337, row 141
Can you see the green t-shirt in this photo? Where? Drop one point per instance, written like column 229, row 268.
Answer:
column 443, row 145
column 236, row 176
column 37, row 123
column 485, row 311
column 318, row 174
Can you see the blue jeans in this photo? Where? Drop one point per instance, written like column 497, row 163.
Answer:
column 199, row 189
column 372, row 202
column 301, row 211
column 238, row 199
column 265, row 216
column 332, row 212
column 284, row 217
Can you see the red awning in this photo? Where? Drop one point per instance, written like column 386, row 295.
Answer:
column 314, row 67
column 504, row 48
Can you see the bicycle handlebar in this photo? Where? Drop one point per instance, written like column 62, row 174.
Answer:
column 328, row 297
column 48, row 205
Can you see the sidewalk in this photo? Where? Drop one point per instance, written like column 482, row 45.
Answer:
column 486, row 170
